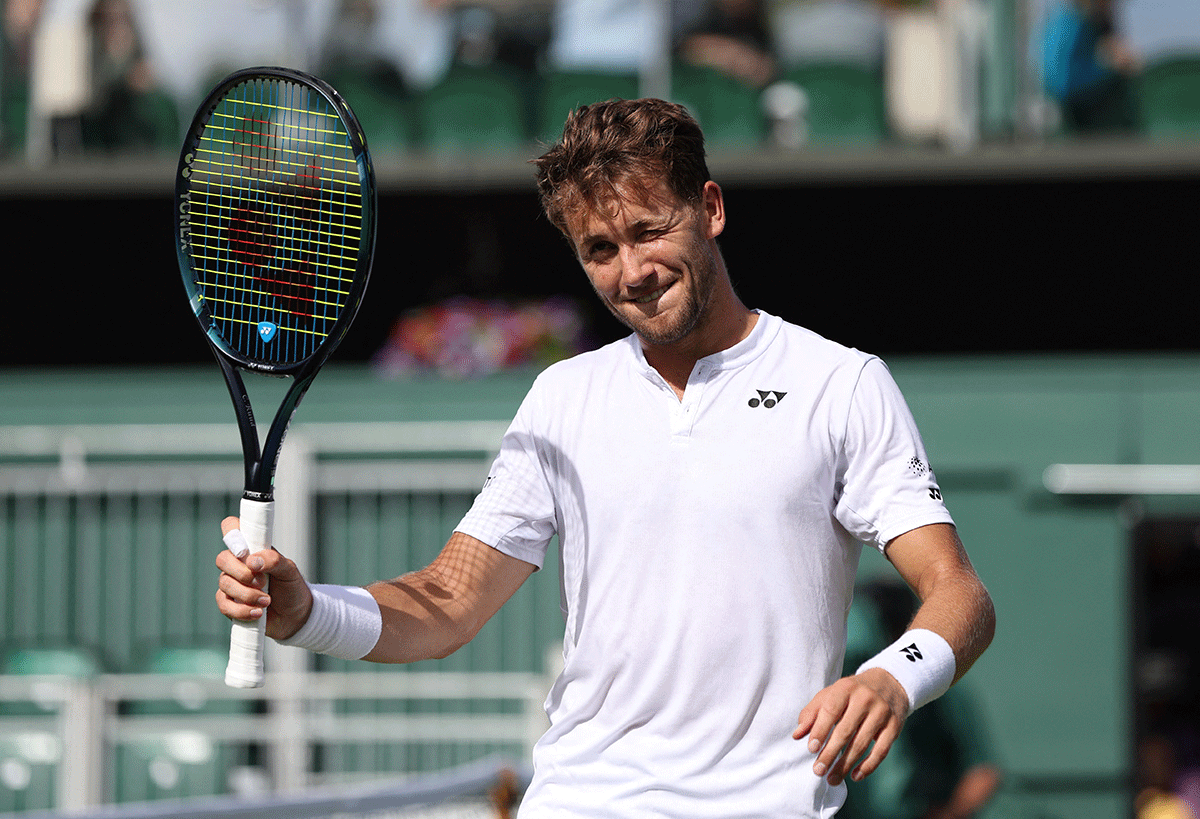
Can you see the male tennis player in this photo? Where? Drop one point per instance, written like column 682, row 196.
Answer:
column 710, row 478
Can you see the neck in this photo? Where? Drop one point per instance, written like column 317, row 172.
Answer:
column 728, row 323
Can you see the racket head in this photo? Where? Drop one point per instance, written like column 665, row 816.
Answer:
column 275, row 218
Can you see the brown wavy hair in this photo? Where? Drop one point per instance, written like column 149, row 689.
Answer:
column 620, row 147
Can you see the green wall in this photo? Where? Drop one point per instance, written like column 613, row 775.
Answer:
column 1055, row 685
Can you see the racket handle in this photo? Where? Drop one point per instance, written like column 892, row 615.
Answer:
column 247, row 640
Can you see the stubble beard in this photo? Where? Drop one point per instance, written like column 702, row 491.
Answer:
column 692, row 311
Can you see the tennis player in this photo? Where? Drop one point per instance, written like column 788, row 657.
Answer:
column 711, row 479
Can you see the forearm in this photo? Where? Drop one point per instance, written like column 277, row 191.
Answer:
column 956, row 605
column 421, row 620
column 433, row 612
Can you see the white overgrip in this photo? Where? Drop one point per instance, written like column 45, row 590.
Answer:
column 247, row 640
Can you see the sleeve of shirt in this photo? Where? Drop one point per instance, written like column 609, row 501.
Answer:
column 887, row 485
column 515, row 511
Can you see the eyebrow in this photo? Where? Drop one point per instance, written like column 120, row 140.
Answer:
column 650, row 222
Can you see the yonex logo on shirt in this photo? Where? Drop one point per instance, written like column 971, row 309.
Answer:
column 912, row 653
column 767, row 398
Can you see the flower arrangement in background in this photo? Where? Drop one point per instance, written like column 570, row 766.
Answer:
column 466, row 338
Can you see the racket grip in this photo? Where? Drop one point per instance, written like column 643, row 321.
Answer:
column 247, row 640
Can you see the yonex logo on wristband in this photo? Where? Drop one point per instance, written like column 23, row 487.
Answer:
column 925, row 673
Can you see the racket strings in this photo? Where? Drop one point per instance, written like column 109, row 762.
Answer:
column 339, row 239
column 276, row 209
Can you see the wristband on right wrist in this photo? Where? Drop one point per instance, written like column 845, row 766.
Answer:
column 345, row 622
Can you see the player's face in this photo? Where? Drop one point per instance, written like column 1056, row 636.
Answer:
column 652, row 261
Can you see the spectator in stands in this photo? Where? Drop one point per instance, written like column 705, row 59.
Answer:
column 512, row 34
column 20, row 22
column 732, row 36
column 1157, row 796
column 843, row 31
column 1087, row 67
column 129, row 109
column 620, row 36
column 351, row 60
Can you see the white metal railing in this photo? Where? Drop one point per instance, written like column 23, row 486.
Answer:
column 1122, row 479
column 84, row 725
column 85, row 719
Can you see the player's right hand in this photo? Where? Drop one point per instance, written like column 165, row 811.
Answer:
column 240, row 596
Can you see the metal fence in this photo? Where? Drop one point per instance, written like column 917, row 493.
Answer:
column 107, row 541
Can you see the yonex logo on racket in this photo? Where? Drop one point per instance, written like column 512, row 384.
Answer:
column 766, row 398
column 267, row 330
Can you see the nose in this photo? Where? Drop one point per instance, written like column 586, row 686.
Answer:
column 636, row 268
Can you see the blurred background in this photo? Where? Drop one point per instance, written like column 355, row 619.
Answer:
column 997, row 196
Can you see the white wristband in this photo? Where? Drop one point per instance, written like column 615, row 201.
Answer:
column 921, row 661
column 345, row 622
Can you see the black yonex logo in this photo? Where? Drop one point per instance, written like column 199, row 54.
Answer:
column 912, row 653
column 768, row 398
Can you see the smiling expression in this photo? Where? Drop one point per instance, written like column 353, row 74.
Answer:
column 652, row 260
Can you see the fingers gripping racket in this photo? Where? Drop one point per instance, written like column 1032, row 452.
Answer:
column 275, row 228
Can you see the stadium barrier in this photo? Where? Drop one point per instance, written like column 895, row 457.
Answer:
column 108, row 533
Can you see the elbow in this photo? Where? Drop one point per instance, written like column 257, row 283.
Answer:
column 458, row 633
column 448, row 649
column 987, row 618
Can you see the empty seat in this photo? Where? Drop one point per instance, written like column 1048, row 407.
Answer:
column 1168, row 93
column 381, row 103
column 729, row 111
column 564, row 91
column 188, row 760
column 31, row 739
column 845, row 102
column 474, row 107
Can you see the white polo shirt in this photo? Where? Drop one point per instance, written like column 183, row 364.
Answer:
column 709, row 547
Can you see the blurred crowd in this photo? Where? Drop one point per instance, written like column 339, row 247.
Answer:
column 103, row 75
column 465, row 337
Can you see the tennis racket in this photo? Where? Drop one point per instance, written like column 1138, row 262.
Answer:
column 275, row 229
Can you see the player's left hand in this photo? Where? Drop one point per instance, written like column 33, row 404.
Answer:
column 843, row 721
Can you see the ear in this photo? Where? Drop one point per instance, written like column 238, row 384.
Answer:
column 714, row 208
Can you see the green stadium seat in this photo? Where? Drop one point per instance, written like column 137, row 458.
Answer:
column 199, row 662
column 380, row 102
column 564, row 91
column 187, row 762
column 729, row 111
column 30, row 747
column 14, row 116
column 474, row 107
column 1168, row 93
column 28, row 771
column 66, row 661
column 845, row 102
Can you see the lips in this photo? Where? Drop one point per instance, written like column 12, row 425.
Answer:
column 652, row 295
